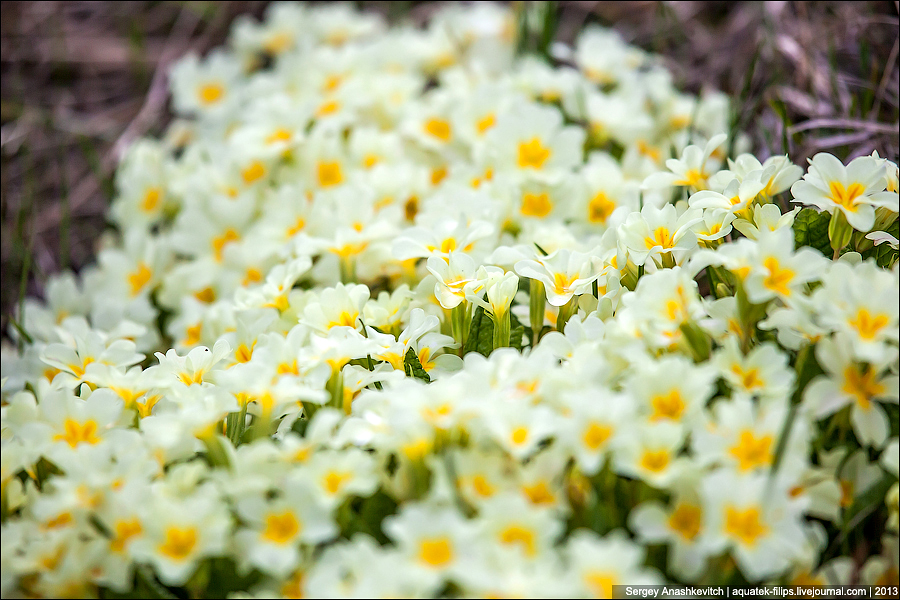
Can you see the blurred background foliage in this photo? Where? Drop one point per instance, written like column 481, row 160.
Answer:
column 81, row 80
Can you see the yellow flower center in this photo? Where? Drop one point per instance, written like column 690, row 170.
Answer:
column 332, row 82
column 335, row 480
column 207, row 295
column 244, row 353
column 600, row 583
column 596, row 435
column 533, row 154
column 692, row 178
column 752, row 452
column 179, row 542
column 192, row 337
column 280, row 302
column 139, row 278
column 667, row 406
column 778, row 278
column 345, row 319
column 125, row 530
column 279, row 135
column 517, row 534
column 660, row 237
column 651, row 152
column 485, row 123
column 539, row 493
column 210, row 93
column 749, row 379
column 536, row 205
column 78, row 369
column 254, row 172
column 868, row 325
column 655, row 461
column 438, row 128
column 436, row 552
column 281, row 528
column 327, row 108
column 329, row 173
column 219, row 242
column 862, row 385
column 846, row 197
column 288, row 368
column 685, row 520
column 417, row 450
column 75, row 433
column 151, row 200
column 61, row 520
column 482, row 487
column 600, row 208
column 745, row 525
column 370, row 160
column 519, row 435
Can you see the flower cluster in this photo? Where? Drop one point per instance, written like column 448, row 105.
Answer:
column 397, row 312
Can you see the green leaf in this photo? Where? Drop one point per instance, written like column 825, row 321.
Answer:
column 481, row 333
column 811, row 229
column 413, row 367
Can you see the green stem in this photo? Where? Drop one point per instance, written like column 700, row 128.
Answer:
column 215, row 451
column 501, row 329
column 335, row 388
column 537, row 297
column 348, row 269
column 839, row 232
column 565, row 313
column 460, row 320
column 699, row 343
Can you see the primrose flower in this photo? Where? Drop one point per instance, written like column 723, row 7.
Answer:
column 455, row 276
column 564, row 274
column 275, row 526
column 511, row 521
column 681, row 525
column 500, row 290
column 652, row 454
column 440, row 238
column 192, row 368
column 531, row 141
column 763, row 373
column 66, row 418
column 692, row 170
column 735, row 198
column 758, row 524
column 777, row 270
column 663, row 235
column 436, row 541
column 179, row 533
column 863, row 303
column 775, row 175
column 859, row 384
column 207, row 87
column 766, row 217
column 744, row 437
column 339, row 306
column 663, row 399
column 856, row 190
column 597, row 564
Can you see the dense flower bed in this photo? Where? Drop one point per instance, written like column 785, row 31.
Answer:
column 397, row 312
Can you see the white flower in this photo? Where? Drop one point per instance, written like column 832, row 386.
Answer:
column 856, row 189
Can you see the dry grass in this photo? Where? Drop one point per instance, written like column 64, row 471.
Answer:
column 80, row 80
